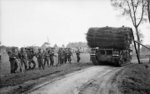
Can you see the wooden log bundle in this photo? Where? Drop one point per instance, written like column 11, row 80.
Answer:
column 109, row 37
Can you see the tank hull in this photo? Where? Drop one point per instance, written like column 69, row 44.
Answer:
column 117, row 58
column 110, row 45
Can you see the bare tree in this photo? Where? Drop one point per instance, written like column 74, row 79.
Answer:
column 134, row 9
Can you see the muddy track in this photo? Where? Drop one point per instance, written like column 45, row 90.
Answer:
column 102, row 84
column 93, row 80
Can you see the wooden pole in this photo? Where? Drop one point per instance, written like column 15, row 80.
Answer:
column 142, row 45
column 137, row 54
column 146, row 48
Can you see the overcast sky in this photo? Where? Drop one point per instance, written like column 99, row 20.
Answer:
column 32, row 22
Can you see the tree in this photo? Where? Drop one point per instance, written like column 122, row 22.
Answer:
column 135, row 10
column 148, row 9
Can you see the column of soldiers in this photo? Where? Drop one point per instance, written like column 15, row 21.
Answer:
column 23, row 59
column 64, row 55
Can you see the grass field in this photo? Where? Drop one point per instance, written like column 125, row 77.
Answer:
column 5, row 64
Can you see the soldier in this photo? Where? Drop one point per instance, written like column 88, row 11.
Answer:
column 40, row 59
column 69, row 54
column 23, row 58
column 13, row 62
column 31, row 54
column 17, row 59
column 78, row 55
column 61, row 56
column 46, row 58
column 58, row 57
column 65, row 55
column 51, row 56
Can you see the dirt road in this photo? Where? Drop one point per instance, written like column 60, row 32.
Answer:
column 93, row 80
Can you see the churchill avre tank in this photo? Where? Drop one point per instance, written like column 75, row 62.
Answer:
column 110, row 45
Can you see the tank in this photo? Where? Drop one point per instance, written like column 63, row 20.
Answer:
column 110, row 45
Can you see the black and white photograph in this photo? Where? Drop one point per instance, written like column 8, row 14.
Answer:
column 74, row 46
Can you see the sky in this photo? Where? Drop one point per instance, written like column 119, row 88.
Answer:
column 33, row 22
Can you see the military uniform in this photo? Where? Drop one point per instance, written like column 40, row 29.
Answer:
column 68, row 55
column 23, row 58
column 30, row 55
column 51, row 56
column 61, row 56
column 65, row 55
column 78, row 55
column 40, row 60
column 13, row 62
column 46, row 58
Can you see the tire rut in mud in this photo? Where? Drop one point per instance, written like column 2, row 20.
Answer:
column 104, row 84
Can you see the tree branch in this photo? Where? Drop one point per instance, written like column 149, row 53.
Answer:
column 134, row 11
column 137, row 4
column 130, row 13
column 148, row 9
column 141, row 18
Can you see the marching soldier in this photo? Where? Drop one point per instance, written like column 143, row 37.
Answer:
column 13, row 61
column 65, row 55
column 23, row 58
column 51, row 56
column 46, row 58
column 30, row 55
column 69, row 54
column 78, row 55
column 40, row 59
column 60, row 56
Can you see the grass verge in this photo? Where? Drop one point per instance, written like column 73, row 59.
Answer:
column 135, row 79
column 22, row 82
